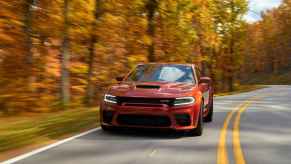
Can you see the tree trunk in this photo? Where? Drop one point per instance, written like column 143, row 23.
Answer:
column 211, row 67
column 230, row 75
column 28, row 42
column 90, row 88
column 42, row 65
column 151, row 7
column 231, row 70
column 203, row 63
column 65, row 59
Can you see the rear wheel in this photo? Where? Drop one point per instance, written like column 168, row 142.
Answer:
column 209, row 116
column 199, row 129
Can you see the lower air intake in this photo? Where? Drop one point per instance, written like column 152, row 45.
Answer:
column 144, row 120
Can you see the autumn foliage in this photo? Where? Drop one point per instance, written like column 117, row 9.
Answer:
column 267, row 45
column 56, row 54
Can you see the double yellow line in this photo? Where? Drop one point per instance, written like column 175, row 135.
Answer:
column 222, row 156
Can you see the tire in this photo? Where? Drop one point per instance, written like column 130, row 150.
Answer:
column 198, row 131
column 209, row 117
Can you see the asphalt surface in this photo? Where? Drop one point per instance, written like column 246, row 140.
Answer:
column 265, row 137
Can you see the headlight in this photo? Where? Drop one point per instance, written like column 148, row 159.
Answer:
column 110, row 99
column 184, row 101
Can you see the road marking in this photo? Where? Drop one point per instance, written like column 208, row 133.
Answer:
column 37, row 151
column 236, row 144
column 237, row 150
column 222, row 157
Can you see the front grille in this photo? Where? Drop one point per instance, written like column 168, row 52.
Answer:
column 144, row 120
column 141, row 100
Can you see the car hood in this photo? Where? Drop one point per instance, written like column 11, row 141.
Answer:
column 152, row 89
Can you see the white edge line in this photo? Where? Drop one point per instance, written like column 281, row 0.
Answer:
column 34, row 152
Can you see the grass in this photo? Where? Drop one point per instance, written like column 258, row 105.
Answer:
column 28, row 129
column 241, row 89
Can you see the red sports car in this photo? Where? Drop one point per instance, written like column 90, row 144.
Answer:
column 162, row 96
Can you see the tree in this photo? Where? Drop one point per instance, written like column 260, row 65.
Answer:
column 65, row 58
column 175, row 34
column 268, row 41
column 90, row 89
column 151, row 9
column 28, row 30
column 208, row 40
column 229, row 25
column 74, row 49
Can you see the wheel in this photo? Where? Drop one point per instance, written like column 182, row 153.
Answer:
column 199, row 129
column 209, row 116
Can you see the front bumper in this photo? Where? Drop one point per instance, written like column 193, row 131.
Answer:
column 160, row 117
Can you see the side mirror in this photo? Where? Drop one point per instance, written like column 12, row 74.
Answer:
column 205, row 83
column 206, row 80
column 119, row 78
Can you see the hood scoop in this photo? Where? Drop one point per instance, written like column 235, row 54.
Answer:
column 148, row 86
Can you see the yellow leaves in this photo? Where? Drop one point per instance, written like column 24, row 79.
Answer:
column 205, row 58
column 147, row 40
column 134, row 59
column 6, row 38
column 102, row 76
column 201, row 58
column 78, row 88
column 113, row 19
column 188, row 16
column 183, row 30
column 79, row 68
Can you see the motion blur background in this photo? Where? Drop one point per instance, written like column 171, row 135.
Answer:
column 61, row 54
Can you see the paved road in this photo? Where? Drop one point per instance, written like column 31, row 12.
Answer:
column 264, row 137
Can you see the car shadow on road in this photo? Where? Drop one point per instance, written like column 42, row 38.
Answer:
column 137, row 134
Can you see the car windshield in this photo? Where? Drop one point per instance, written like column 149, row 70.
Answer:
column 162, row 73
